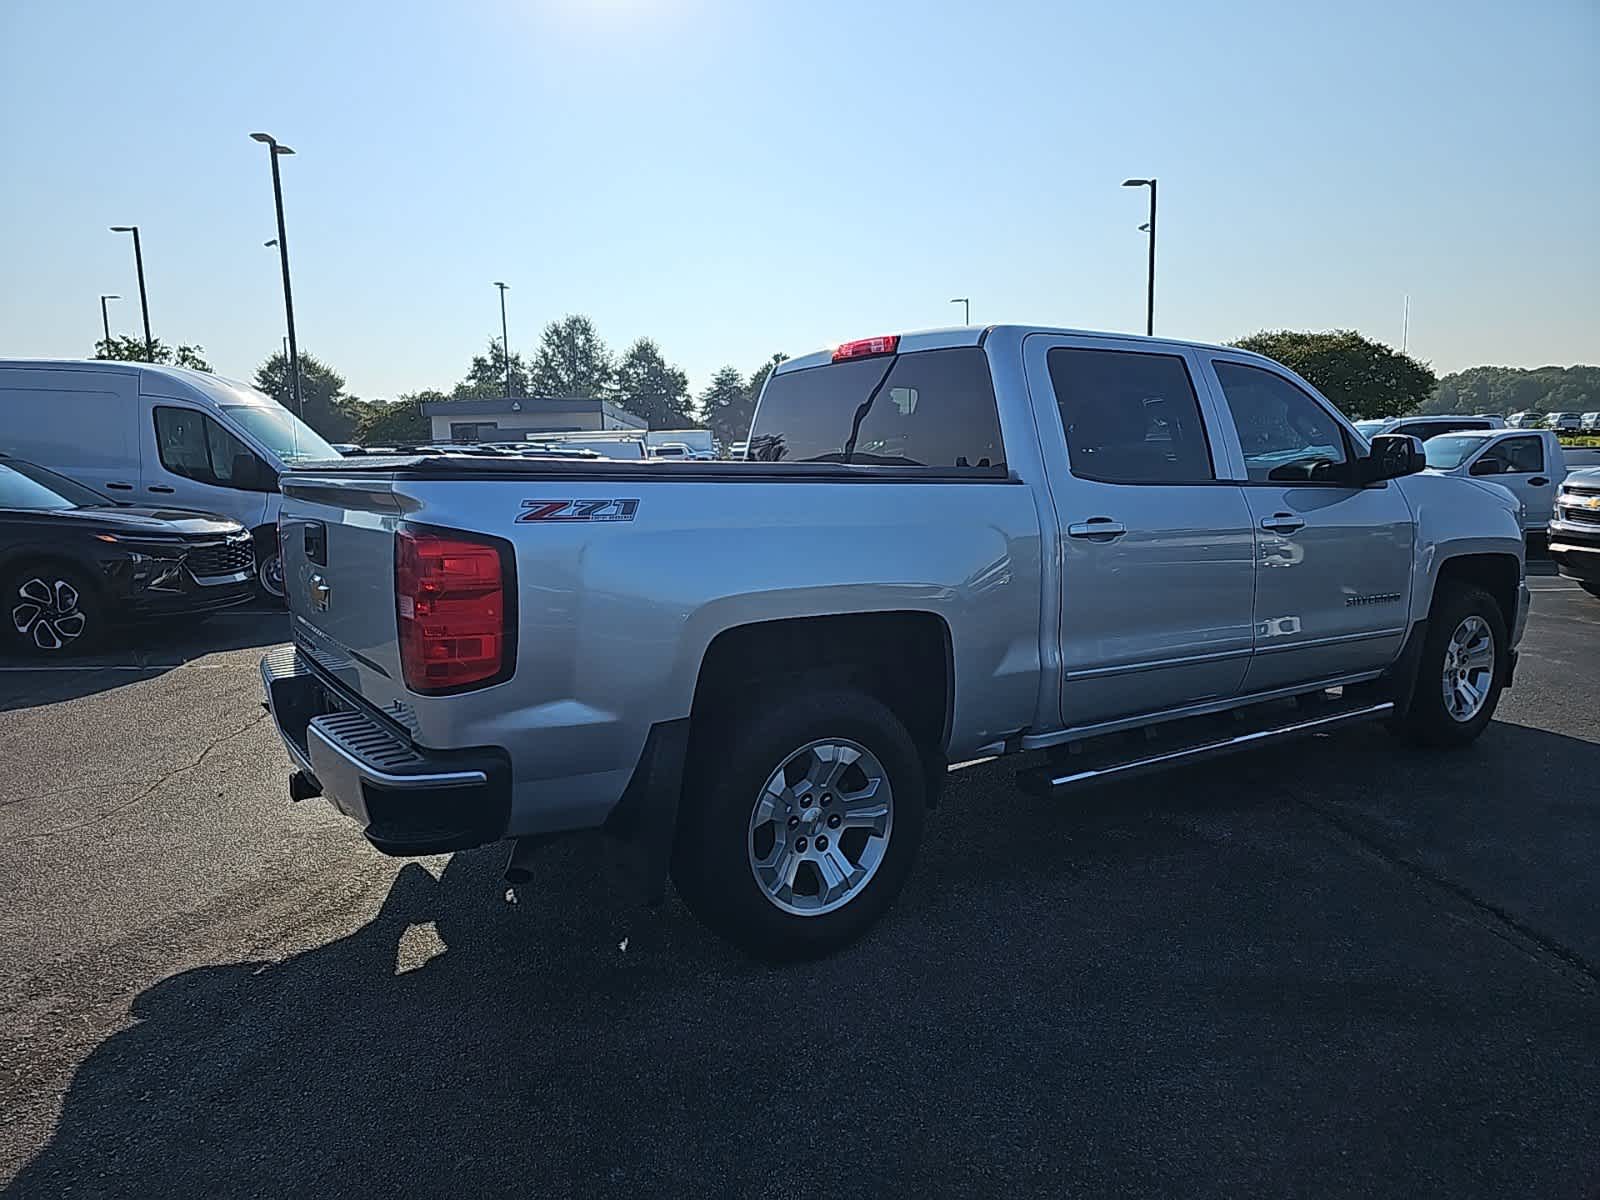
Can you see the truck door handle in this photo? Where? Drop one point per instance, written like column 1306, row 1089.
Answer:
column 161, row 487
column 1282, row 523
column 1538, row 481
column 119, row 487
column 1102, row 529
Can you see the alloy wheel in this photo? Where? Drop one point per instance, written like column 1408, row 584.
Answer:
column 820, row 827
column 46, row 612
column 1468, row 669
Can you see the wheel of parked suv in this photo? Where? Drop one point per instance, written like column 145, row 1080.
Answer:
column 800, row 821
column 50, row 609
column 1462, row 668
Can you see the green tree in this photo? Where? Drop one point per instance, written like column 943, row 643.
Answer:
column 648, row 387
column 132, row 349
column 397, row 422
column 726, row 405
column 329, row 409
column 1506, row 390
column 730, row 412
column 572, row 360
column 486, row 377
column 1362, row 377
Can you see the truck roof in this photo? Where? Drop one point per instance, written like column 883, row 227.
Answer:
column 945, row 337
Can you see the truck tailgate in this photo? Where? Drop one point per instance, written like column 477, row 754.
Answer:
column 338, row 559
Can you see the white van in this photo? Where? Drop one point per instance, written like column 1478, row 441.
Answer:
column 166, row 435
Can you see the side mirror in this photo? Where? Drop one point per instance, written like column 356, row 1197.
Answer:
column 1487, row 466
column 1393, row 455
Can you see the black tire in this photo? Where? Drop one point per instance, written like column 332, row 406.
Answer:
column 51, row 609
column 269, row 567
column 1429, row 722
column 730, row 763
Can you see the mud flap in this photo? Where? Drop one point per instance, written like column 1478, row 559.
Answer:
column 640, row 829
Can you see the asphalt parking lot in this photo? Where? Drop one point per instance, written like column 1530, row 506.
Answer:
column 1335, row 968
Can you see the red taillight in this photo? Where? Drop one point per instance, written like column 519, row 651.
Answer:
column 451, row 607
column 867, row 347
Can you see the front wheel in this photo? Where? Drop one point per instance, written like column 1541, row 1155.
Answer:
column 1462, row 668
column 269, row 576
column 800, row 822
column 50, row 610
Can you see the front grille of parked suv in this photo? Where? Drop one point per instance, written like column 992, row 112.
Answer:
column 220, row 558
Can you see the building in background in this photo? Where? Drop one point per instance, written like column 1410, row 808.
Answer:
column 514, row 420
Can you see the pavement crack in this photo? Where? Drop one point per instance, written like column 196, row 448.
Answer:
column 154, row 786
column 1503, row 916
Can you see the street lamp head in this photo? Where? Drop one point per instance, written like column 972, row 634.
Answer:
column 271, row 243
column 123, row 228
column 504, row 287
column 110, row 297
column 1137, row 182
column 267, row 139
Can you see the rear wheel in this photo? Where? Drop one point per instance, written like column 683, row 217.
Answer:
column 1462, row 668
column 801, row 819
column 50, row 609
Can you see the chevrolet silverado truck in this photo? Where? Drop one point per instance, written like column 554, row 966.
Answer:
column 1575, row 530
column 1118, row 553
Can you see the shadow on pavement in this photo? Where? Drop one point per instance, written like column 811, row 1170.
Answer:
column 137, row 653
column 1189, row 987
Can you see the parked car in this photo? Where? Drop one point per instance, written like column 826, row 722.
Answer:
column 738, row 449
column 1525, row 420
column 1529, row 463
column 675, row 451
column 1427, row 427
column 700, row 443
column 1125, row 552
column 1575, row 531
column 162, row 435
column 1566, row 422
column 74, row 565
column 1591, row 422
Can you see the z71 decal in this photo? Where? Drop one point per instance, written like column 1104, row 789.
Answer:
column 577, row 510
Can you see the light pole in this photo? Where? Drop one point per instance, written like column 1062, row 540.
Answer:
column 505, row 338
column 105, row 321
column 274, row 150
column 1150, row 295
column 144, row 303
column 966, row 309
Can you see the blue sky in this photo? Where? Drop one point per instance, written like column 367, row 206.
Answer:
column 734, row 177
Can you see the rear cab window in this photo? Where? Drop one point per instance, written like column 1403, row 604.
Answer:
column 1130, row 416
column 925, row 408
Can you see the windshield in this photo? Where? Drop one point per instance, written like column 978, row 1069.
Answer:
column 67, row 489
column 1369, row 428
column 1450, row 450
column 288, row 437
column 17, row 490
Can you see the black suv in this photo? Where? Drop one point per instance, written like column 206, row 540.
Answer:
column 73, row 565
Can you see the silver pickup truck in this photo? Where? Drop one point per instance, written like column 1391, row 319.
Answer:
column 1124, row 553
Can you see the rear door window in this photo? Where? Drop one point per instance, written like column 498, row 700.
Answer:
column 1130, row 417
column 930, row 408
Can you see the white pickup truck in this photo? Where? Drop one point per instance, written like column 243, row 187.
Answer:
column 1124, row 553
